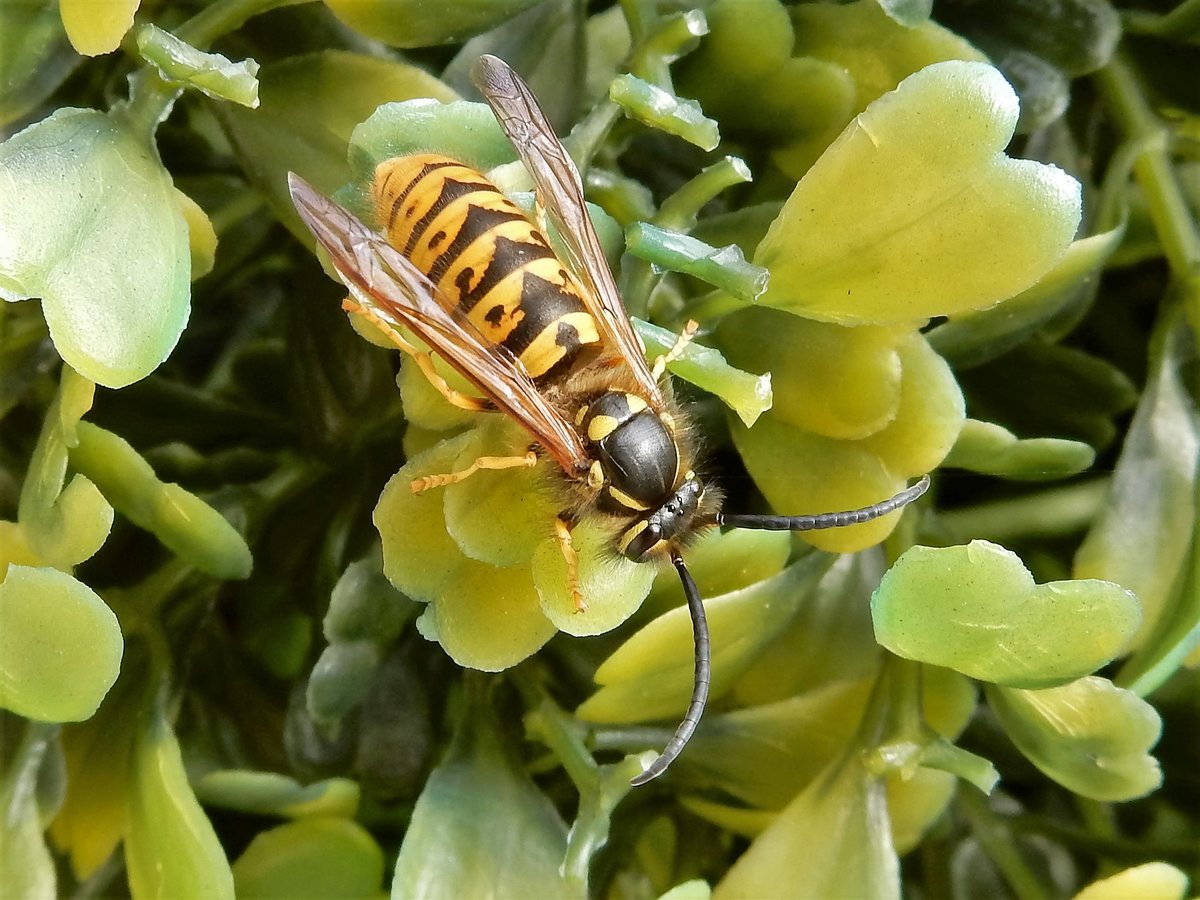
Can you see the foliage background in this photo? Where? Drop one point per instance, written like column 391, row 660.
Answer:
column 227, row 663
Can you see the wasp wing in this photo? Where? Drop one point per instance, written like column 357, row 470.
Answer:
column 560, row 190
column 402, row 294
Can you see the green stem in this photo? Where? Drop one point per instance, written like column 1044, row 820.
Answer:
column 1182, row 22
column 1169, row 211
column 996, row 839
column 150, row 97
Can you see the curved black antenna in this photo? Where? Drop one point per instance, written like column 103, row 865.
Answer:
column 702, row 680
column 825, row 520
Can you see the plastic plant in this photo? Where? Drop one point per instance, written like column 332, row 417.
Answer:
column 239, row 656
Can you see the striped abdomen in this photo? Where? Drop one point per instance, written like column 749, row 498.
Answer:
column 486, row 256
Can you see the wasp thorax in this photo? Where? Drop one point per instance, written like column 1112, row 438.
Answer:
column 635, row 449
column 653, row 533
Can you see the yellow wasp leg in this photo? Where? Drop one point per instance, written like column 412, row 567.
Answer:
column 562, row 531
column 660, row 364
column 422, row 358
column 529, row 460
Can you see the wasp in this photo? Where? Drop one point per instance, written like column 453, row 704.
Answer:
column 547, row 343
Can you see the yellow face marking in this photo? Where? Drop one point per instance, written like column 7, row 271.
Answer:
column 601, row 427
column 625, row 500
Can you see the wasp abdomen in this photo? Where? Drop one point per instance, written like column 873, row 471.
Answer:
column 485, row 255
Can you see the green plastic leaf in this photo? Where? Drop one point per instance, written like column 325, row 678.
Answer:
column 316, row 857
column 515, row 497
column 837, row 381
column 1090, row 736
column 841, row 822
column 487, row 618
column 975, row 338
column 79, row 191
column 721, row 562
column 364, row 604
column 96, row 27
column 992, row 450
column 92, row 821
column 915, row 803
column 454, row 846
column 977, row 610
column 419, row 557
column 1149, row 881
column 309, row 105
column 341, row 678
column 1143, row 536
column 178, row 518
column 415, row 23
column 171, row 849
column 272, row 794
column 747, row 394
column 876, row 50
column 612, row 587
column 60, row 647
column 722, row 267
column 800, row 473
column 661, row 109
column 765, row 755
column 829, row 640
column 210, row 73
column 650, row 676
column 915, row 211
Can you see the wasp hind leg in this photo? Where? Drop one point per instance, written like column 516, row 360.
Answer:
column 562, row 531
column 422, row 358
column 528, row 461
column 681, row 342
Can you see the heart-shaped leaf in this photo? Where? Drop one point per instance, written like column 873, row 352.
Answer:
column 79, row 191
column 976, row 609
column 915, row 211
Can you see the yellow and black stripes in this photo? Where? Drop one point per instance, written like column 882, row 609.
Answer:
column 487, row 257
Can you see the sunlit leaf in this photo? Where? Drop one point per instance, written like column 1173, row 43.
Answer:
column 80, row 191
column 976, row 609
column 915, row 211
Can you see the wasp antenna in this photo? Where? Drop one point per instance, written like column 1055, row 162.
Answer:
column 825, row 520
column 702, row 679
